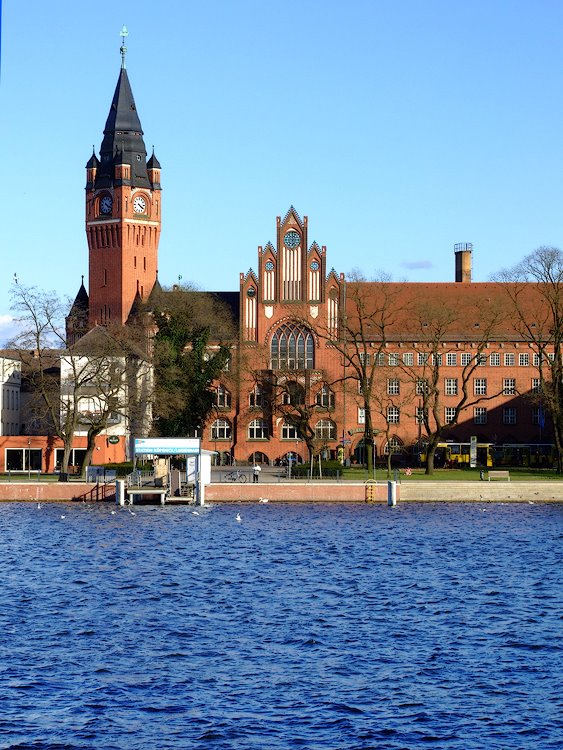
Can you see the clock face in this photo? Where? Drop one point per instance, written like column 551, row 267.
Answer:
column 139, row 205
column 291, row 239
column 251, row 291
column 315, row 265
column 106, row 204
column 269, row 265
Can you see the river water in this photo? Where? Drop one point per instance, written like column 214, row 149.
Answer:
column 355, row 626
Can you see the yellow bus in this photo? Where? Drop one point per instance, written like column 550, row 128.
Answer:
column 454, row 455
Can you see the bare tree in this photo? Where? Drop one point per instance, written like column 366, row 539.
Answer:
column 369, row 314
column 69, row 388
column 534, row 288
column 437, row 326
column 392, row 395
column 116, row 384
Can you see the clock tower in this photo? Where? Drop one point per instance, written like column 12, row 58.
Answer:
column 123, row 212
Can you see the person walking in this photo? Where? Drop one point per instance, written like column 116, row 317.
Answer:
column 255, row 473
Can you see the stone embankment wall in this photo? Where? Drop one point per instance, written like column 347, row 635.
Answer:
column 411, row 491
column 306, row 492
column 55, row 492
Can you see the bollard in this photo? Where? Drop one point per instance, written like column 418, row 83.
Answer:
column 120, row 491
column 391, row 493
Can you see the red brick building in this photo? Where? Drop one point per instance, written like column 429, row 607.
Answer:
column 318, row 354
column 314, row 347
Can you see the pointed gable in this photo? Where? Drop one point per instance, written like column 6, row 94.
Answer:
column 267, row 272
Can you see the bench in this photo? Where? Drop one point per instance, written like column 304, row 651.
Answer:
column 499, row 475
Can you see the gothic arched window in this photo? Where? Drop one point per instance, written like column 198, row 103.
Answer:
column 292, row 348
column 325, row 429
column 393, row 445
column 325, row 397
column 222, row 397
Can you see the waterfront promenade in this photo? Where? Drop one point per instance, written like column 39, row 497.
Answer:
column 297, row 491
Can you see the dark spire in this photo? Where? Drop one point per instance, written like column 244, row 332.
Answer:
column 137, row 308
column 77, row 319
column 123, row 136
column 81, row 301
column 155, row 297
column 153, row 162
column 93, row 162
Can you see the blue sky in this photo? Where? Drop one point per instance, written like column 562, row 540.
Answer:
column 398, row 127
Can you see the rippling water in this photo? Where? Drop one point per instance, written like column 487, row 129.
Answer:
column 435, row 626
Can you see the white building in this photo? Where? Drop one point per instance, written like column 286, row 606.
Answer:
column 110, row 383
column 10, row 396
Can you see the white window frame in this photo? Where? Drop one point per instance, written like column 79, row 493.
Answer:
column 480, row 386
column 393, row 386
column 450, row 386
column 221, row 429
column 393, row 415
column 509, row 386
column 223, row 397
column 480, row 415
column 449, row 414
column 289, row 432
column 325, row 429
column 258, row 430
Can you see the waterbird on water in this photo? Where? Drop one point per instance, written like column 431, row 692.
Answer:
column 195, row 513
column 263, row 500
column 38, row 506
column 238, row 518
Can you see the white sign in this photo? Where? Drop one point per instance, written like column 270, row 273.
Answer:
column 473, row 451
column 167, row 446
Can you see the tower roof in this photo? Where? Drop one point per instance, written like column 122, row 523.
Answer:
column 81, row 300
column 123, row 138
column 153, row 162
column 137, row 308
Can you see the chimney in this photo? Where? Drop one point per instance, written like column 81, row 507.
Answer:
column 463, row 262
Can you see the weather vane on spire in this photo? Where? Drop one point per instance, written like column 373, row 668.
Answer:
column 123, row 49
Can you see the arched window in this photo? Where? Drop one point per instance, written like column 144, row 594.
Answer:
column 325, row 397
column 394, row 445
column 222, row 397
column 292, row 348
column 221, row 430
column 289, row 432
column 293, row 394
column 325, row 429
column 258, row 430
column 258, row 458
